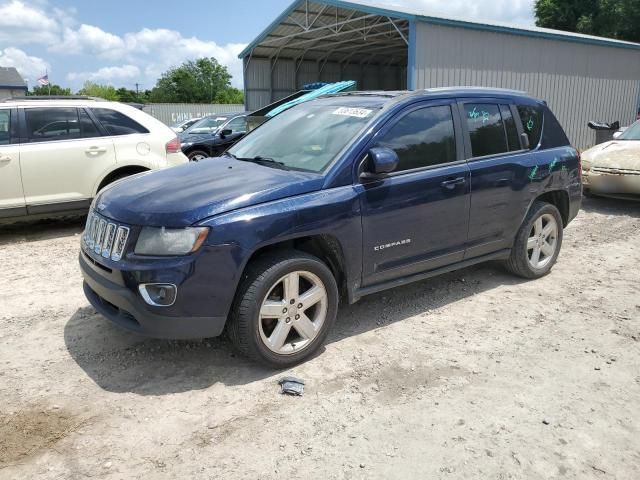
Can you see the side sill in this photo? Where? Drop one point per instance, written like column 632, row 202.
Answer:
column 398, row 282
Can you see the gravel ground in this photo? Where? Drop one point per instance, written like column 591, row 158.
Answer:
column 475, row 374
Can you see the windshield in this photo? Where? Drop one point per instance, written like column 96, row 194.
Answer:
column 207, row 125
column 306, row 137
column 631, row 133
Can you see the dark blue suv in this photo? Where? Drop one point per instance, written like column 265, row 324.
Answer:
column 332, row 200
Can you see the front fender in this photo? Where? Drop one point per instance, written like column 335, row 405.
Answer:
column 333, row 212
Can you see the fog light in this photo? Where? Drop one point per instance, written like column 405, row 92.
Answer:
column 159, row 294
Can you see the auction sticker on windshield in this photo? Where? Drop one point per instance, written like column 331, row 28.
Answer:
column 353, row 112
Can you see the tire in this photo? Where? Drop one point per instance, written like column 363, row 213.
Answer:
column 297, row 332
column 197, row 155
column 522, row 261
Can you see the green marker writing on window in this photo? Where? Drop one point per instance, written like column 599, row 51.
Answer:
column 530, row 124
column 474, row 113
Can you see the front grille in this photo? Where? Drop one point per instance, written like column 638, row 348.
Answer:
column 615, row 171
column 104, row 237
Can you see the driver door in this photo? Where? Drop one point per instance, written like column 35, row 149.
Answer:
column 417, row 218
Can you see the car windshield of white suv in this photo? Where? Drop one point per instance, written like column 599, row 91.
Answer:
column 306, row 137
column 631, row 133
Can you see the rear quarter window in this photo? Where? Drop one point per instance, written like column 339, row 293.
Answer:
column 117, row 123
column 553, row 134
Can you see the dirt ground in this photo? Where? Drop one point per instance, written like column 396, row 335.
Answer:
column 474, row 375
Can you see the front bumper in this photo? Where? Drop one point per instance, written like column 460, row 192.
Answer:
column 611, row 184
column 127, row 309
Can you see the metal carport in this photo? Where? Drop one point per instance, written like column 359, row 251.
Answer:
column 582, row 77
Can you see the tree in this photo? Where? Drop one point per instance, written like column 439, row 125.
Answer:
column 91, row 89
column 55, row 90
column 618, row 19
column 201, row 81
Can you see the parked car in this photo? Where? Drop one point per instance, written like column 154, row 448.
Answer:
column 213, row 144
column 185, row 124
column 612, row 169
column 56, row 154
column 205, row 125
column 334, row 199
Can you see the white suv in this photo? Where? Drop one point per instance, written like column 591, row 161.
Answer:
column 56, row 154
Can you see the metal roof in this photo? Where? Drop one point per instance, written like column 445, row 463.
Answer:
column 10, row 78
column 337, row 30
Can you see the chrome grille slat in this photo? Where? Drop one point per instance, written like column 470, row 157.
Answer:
column 105, row 238
column 108, row 240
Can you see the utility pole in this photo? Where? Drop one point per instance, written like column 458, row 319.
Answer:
column 138, row 91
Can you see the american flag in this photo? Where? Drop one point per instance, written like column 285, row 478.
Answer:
column 44, row 80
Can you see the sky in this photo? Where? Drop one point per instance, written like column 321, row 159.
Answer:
column 122, row 43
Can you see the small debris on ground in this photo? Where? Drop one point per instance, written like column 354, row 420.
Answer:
column 292, row 386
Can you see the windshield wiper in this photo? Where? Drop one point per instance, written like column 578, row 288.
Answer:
column 270, row 162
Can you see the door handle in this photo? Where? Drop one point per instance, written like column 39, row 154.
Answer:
column 96, row 150
column 453, row 183
column 4, row 160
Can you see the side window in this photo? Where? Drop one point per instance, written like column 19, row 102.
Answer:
column 88, row 129
column 531, row 117
column 50, row 124
column 486, row 129
column 422, row 138
column 117, row 123
column 238, row 125
column 513, row 140
column 553, row 135
column 5, row 127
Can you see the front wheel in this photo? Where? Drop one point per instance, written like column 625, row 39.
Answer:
column 538, row 242
column 284, row 309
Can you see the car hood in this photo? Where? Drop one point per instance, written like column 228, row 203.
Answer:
column 183, row 195
column 622, row 154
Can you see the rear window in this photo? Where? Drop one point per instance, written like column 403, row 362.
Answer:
column 531, row 117
column 52, row 124
column 486, row 129
column 117, row 123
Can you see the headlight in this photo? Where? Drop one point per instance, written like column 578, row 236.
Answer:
column 170, row 241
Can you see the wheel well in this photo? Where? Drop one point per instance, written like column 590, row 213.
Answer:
column 121, row 172
column 560, row 200
column 325, row 247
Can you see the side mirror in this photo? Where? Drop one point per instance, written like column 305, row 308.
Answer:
column 380, row 163
column 525, row 141
column 225, row 132
column 617, row 134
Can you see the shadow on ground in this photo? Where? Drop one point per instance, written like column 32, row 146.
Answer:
column 611, row 206
column 119, row 361
column 41, row 230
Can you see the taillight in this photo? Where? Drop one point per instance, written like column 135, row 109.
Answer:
column 173, row 146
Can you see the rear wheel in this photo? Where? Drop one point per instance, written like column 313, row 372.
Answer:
column 538, row 242
column 197, row 155
column 284, row 310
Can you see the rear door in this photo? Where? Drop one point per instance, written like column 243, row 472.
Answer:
column 417, row 218
column 11, row 192
column 499, row 173
column 62, row 157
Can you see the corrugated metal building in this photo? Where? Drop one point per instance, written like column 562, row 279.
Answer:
column 582, row 77
column 172, row 113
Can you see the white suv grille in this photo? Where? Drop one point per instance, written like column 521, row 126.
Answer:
column 104, row 237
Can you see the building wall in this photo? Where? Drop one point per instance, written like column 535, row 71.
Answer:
column 172, row 113
column 12, row 92
column 580, row 82
column 264, row 84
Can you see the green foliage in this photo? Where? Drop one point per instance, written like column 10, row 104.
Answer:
column 201, row 81
column 618, row 19
column 55, row 90
column 91, row 89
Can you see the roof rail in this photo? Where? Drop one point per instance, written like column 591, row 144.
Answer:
column 482, row 89
column 52, row 97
